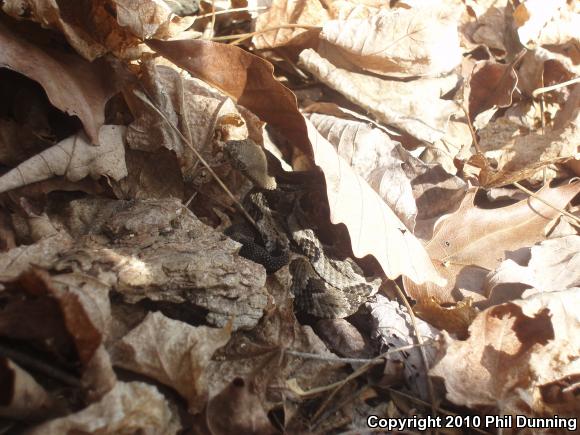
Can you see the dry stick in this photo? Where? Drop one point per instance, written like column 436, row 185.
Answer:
column 471, row 129
column 269, row 29
column 358, row 372
column 146, row 100
column 32, row 363
column 556, row 86
column 534, row 195
column 422, row 402
column 421, row 349
column 229, row 11
column 212, row 17
column 372, row 361
column 361, row 370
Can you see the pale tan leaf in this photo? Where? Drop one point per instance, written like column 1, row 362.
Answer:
column 74, row 158
column 554, row 265
column 532, row 19
column 513, row 353
column 43, row 253
column 472, row 241
column 172, row 352
column 399, row 178
column 375, row 158
column 24, row 397
column 373, row 227
column 284, row 12
column 128, row 408
column 354, row 9
column 202, row 114
column 401, row 43
column 415, row 107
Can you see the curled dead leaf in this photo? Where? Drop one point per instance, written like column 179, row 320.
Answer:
column 75, row 158
column 513, row 352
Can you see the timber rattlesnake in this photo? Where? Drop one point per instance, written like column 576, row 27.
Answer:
column 323, row 287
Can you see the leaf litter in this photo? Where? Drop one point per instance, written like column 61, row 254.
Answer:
column 125, row 307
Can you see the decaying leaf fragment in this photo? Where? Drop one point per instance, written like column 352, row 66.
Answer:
column 516, row 353
column 127, row 408
column 72, row 84
column 24, row 397
column 95, row 28
column 490, row 86
column 172, row 352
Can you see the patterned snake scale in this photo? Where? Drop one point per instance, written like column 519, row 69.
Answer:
column 322, row 286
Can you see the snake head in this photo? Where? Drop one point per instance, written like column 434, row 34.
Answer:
column 250, row 159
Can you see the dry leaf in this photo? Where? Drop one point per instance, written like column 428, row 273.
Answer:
column 513, row 156
column 415, row 107
column 513, row 352
column 454, row 319
column 554, row 265
column 75, row 158
column 532, row 17
column 24, row 397
column 94, row 28
column 246, row 78
column 400, row 43
column 72, row 84
column 198, row 113
column 397, row 176
column 283, row 12
column 172, row 352
column 67, row 319
column 128, row 408
column 150, row 18
column 374, row 157
column 394, row 328
column 473, row 241
column 43, row 253
column 490, row 86
column 238, row 409
column 373, row 227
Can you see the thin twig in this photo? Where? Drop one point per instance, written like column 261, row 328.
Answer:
column 269, row 29
column 228, row 11
column 421, row 349
column 358, row 372
column 471, row 130
column 556, row 86
column 373, row 361
column 534, row 195
column 32, row 363
column 212, row 17
column 147, row 101
column 422, row 402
